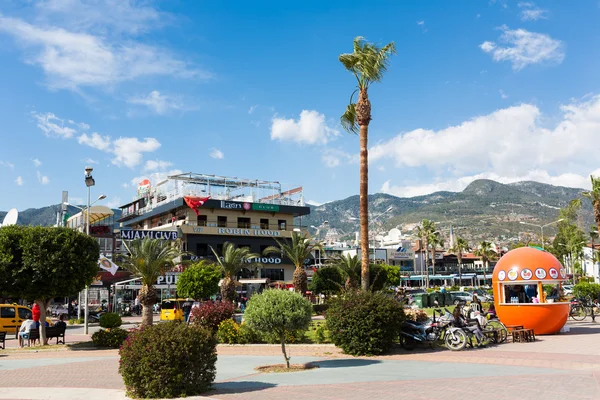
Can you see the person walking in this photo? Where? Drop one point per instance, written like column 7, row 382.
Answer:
column 136, row 305
column 187, row 309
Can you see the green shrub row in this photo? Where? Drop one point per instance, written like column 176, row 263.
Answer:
column 113, row 338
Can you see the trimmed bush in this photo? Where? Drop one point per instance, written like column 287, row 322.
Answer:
column 110, row 320
column 279, row 313
column 364, row 323
column 247, row 335
column 585, row 290
column 110, row 337
column 168, row 360
column 210, row 314
column 228, row 332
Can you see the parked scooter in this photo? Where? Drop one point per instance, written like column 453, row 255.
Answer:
column 94, row 316
column 431, row 331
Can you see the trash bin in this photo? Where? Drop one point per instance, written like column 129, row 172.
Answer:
column 436, row 296
column 448, row 299
column 421, row 299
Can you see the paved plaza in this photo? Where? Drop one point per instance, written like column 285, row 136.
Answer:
column 565, row 366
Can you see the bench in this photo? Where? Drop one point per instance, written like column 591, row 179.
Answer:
column 523, row 335
column 51, row 332
column 3, row 340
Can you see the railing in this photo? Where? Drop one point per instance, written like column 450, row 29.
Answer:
column 242, row 225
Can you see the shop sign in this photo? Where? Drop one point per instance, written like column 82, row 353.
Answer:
column 248, row 232
column 261, row 260
column 400, row 254
column 167, row 279
column 131, row 234
column 231, row 205
column 265, row 207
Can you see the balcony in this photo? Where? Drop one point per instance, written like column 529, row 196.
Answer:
column 241, row 229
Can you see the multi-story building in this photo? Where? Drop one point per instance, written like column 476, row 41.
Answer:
column 205, row 211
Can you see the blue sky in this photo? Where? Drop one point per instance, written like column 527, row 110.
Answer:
column 506, row 90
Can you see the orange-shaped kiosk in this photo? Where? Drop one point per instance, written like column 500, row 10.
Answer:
column 519, row 296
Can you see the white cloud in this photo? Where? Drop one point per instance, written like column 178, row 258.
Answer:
column 508, row 145
column 336, row 157
column 44, row 180
column 522, row 48
column 7, row 164
column 531, row 12
column 252, row 108
column 36, row 162
column 421, row 23
column 311, row 128
column 217, row 154
column 96, row 141
column 152, row 165
column 129, row 151
column 19, row 181
column 76, row 56
column 90, row 161
column 158, row 103
column 125, row 185
column 503, row 95
column 51, row 125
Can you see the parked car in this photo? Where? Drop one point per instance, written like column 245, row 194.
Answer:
column 461, row 296
column 12, row 315
column 568, row 289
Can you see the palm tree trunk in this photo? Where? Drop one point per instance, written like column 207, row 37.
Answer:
column 460, row 273
column 433, row 259
column 43, row 304
column 147, row 299
column 228, row 292
column 300, row 280
column 147, row 315
column 364, row 205
column 426, row 254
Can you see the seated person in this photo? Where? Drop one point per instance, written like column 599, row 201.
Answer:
column 461, row 321
column 61, row 322
column 26, row 328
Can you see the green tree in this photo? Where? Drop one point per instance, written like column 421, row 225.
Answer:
column 424, row 232
column 434, row 240
column 299, row 249
column 326, row 280
column 594, row 196
column 148, row 259
column 279, row 312
column 41, row 263
column 350, row 267
column 460, row 247
column 486, row 253
column 392, row 274
column 199, row 280
column 367, row 63
column 231, row 262
column 568, row 242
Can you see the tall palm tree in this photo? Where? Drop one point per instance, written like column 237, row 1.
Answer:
column 299, row 249
column 434, row 240
column 593, row 236
column 424, row 231
column 594, row 196
column 367, row 63
column 148, row 259
column 231, row 262
column 460, row 247
column 350, row 267
column 486, row 253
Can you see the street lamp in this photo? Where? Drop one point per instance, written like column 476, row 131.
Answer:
column 89, row 182
column 542, row 228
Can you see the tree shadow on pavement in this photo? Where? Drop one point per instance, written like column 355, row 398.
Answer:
column 222, row 388
column 344, row 363
column 590, row 329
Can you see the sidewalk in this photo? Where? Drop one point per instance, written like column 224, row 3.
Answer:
column 554, row 367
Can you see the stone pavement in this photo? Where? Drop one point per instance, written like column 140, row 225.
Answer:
column 554, row 367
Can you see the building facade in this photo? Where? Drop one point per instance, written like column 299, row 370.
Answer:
column 206, row 211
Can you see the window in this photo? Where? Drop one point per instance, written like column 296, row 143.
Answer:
column 202, row 250
column 8, row 312
column 264, row 223
column 282, row 224
column 243, row 222
column 519, row 293
column 201, row 220
column 222, row 222
column 274, row 274
column 23, row 312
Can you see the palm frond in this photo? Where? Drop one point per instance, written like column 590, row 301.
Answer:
column 149, row 258
column 233, row 259
column 348, row 119
column 299, row 249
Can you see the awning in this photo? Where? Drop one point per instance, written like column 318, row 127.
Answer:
column 253, row 280
column 97, row 213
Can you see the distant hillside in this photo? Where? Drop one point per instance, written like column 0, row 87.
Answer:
column 483, row 210
column 45, row 216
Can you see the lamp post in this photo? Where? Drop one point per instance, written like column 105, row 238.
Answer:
column 542, row 228
column 89, row 182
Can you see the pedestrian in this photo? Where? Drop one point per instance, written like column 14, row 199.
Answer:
column 187, row 308
column 136, row 305
column 26, row 328
column 35, row 310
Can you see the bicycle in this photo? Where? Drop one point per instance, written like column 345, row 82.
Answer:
column 582, row 308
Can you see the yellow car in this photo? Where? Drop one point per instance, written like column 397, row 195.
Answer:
column 171, row 310
column 12, row 315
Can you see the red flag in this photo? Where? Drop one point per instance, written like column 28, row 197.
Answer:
column 195, row 202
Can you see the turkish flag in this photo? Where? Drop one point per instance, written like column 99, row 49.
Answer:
column 195, row 202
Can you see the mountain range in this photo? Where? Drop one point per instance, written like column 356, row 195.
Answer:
column 484, row 210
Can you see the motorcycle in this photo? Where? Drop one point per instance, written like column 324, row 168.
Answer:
column 94, row 317
column 432, row 331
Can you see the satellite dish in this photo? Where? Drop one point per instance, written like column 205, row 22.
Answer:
column 11, row 217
